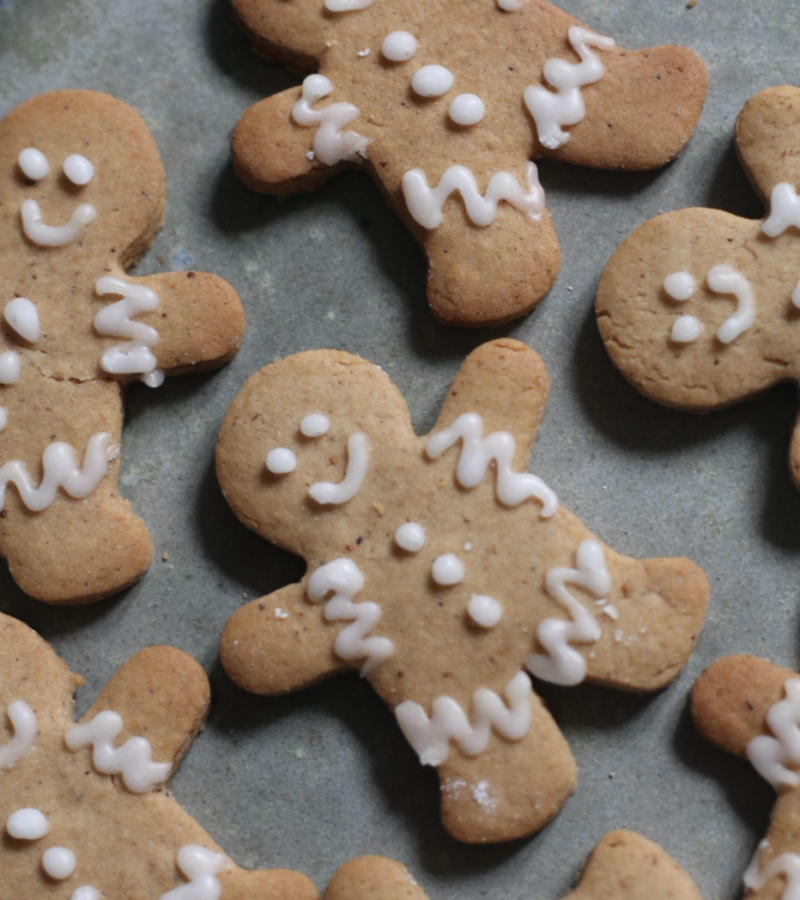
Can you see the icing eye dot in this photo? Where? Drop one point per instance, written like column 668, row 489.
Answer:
column 432, row 81
column 58, row 862
column 27, row 825
column 399, row 46
column 78, row 169
column 10, row 367
column 23, row 317
column 33, row 163
column 281, row 460
column 447, row 570
column 315, row 425
column 467, row 109
column 410, row 536
column 484, row 610
column 686, row 330
column 680, row 285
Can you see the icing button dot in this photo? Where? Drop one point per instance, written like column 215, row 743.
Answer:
column 78, row 169
column 86, row 892
column 432, row 81
column 399, row 46
column 315, row 425
column 410, row 536
column 467, row 109
column 281, row 461
column 23, row 317
column 27, row 824
column 3, row 417
column 59, row 863
column 484, row 610
column 447, row 570
column 10, row 367
column 33, row 163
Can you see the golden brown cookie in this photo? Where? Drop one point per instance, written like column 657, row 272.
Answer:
column 623, row 866
column 84, row 810
column 440, row 568
column 436, row 99
column 82, row 193
column 699, row 308
column 750, row 707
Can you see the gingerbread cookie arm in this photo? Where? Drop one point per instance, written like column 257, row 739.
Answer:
column 373, row 878
column 279, row 643
column 626, row 866
column 511, row 793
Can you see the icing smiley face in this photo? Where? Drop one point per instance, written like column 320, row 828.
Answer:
column 452, row 143
column 441, row 570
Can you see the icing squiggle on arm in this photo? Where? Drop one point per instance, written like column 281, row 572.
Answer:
column 60, row 470
column 331, row 144
column 23, row 721
column 201, row 867
column 786, row 864
column 357, row 465
column 478, row 452
column 426, row 203
column 769, row 755
column 563, row 664
column 552, row 111
column 784, row 213
column 55, row 235
column 115, row 320
column 133, row 760
column 430, row 737
column 345, row 580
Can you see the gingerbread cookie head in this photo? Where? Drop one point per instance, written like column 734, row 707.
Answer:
column 751, row 708
column 445, row 105
column 441, row 570
column 81, row 198
column 699, row 308
column 83, row 808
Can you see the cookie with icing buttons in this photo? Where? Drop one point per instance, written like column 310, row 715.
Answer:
column 698, row 308
column 445, row 105
column 82, row 193
column 751, row 708
column 83, row 808
column 623, row 866
column 441, row 569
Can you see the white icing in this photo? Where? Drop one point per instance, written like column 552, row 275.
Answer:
column 3, row 418
column 34, row 164
column 426, row 203
column 686, row 329
column 10, row 367
column 510, row 5
column 27, row 824
column 23, row 722
column 281, row 460
column 399, row 46
column 784, row 210
column 680, row 286
column 344, row 579
column 86, row 892
column 23, row 317
column 724, row 279
column 115, row 320
column 331, row 144
column 153, row 379
column 324, row 492
column 315, row 425
column 201, row 867
column 59, row 862
column 562, row 664
column 78, row 169
column 786, row 864
column 432, row 81
column 447, row 570
column 410, row 536
column 347, row 5
column 430, row 737
column 552, row 111
column 55, row 235
column 770, row 755
column 484, row 610
column 133, row 760
column 478, row 452
column 60, row 470
column 467, row 109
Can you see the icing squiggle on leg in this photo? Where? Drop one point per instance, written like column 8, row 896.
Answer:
column 201, row 867
column 787, row 864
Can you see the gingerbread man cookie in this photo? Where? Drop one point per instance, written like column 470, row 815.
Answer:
column 699, row 308
column 440, row 568
column 751, row 708
column 82, row 193
column 445, row 104
column 83, row 808
column 623, row 866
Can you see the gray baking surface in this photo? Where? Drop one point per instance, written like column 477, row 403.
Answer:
column 310, row 780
